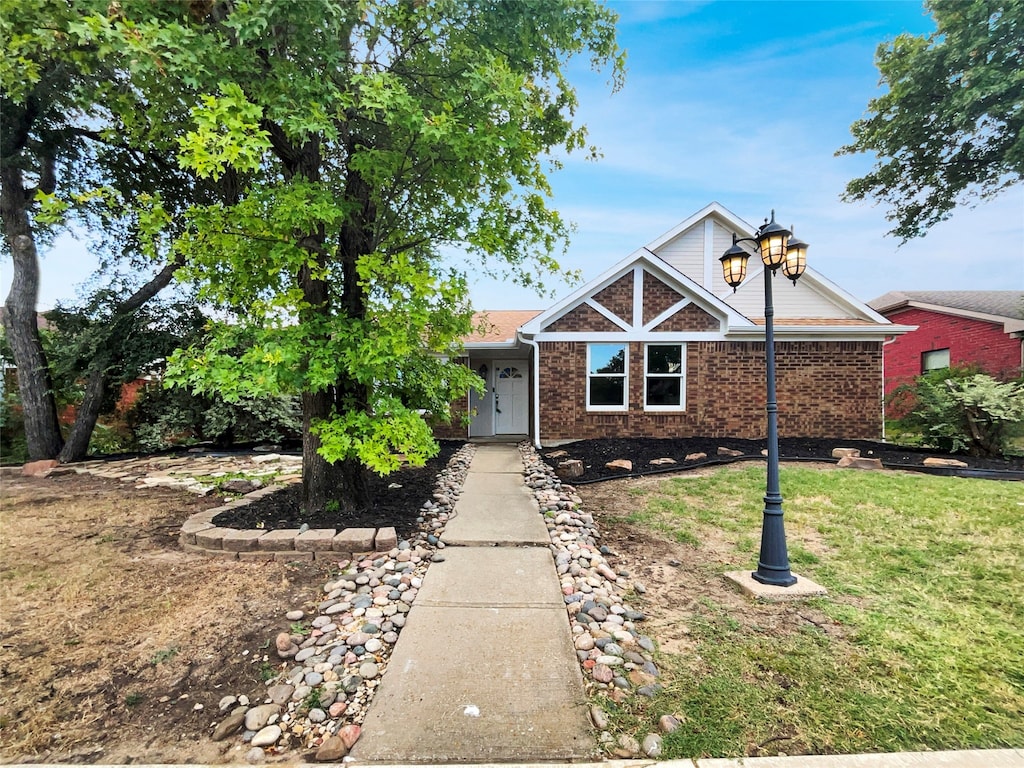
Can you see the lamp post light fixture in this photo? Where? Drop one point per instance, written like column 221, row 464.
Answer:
column 778, row 248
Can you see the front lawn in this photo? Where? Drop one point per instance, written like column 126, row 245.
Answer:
column 919, row 646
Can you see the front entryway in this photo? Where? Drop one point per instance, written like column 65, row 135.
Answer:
column 511, row 397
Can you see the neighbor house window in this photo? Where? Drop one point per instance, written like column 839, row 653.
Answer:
column 937, row 358
column 606, row 377
column 665, row 383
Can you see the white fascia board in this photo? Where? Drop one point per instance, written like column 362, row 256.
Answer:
column 823, row 332
column 635, row 335
column 741, row 227
column 478, row 346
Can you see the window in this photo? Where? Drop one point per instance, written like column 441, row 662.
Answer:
column 937, row 358
column 606, row 377
column 665, row 384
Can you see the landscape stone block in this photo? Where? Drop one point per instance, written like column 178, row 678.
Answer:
column 315, row 540
column 281, row 540
column 242, row 541
column 353, row 540
column 258, row 555
column 385, row 540
column 212, row 538
column 191, row 527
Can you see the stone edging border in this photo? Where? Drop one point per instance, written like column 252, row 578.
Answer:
column 199, row 534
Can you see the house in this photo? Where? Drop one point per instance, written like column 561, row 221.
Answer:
column 660, row 346
column 982, row 328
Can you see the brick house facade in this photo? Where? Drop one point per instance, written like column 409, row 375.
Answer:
column 660, row 346
column 958, row 328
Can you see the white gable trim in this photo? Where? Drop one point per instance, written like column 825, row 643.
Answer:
column 739, row 225
column 608, row 314
column 677, row 307
column 638, row 262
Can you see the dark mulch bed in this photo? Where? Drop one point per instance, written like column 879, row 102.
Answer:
column 392, row 507
column 596, row 453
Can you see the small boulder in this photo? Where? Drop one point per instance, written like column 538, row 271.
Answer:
column 933, row 461
column 662, row 462
column 856, row 462
column 696, row 456
column 652, row 745
column 729, row 452
column 229, row 725
column 240, row 485
column 569, row 468
column 350, row 735
column 842, row 453
column 556, row 454
column 332, row 750
column 41, row 468
column 620, row 465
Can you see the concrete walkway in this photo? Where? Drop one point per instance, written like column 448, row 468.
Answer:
column 485, row 670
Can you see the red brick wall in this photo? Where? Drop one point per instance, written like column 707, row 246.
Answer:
column 618, row 297
column 583, row 318
column 968, row 341
column 690, row 318
column 825, row 389
column 657, row 297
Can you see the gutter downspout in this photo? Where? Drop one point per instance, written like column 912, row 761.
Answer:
column 536, row 386
column 884, row 345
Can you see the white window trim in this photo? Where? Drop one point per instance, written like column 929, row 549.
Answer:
column 682, row 376
column 625, row 383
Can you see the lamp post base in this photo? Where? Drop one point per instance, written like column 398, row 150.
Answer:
column 803, row 588
column 784, row 579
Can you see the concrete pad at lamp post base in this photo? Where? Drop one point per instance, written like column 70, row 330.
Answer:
column 770, row 593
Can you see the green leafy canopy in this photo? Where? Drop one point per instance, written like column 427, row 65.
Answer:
column 363, row 138
column 950, row 128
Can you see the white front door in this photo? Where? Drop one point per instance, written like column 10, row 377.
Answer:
column 511, row 397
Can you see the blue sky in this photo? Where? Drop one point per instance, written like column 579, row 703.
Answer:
column 744, row 103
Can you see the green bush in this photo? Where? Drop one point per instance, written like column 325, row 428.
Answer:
column 959, row 409
column 162, row 418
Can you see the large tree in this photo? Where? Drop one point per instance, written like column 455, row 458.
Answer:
column 950, row 127
column 371, row 134
column 78, row 148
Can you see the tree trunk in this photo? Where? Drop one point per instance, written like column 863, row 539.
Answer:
column 77, row 445
column 42, row 430
column 344, row 482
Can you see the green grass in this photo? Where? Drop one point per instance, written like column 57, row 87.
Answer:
column 926, row 583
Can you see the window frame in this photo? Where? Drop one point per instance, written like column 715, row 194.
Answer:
column 624, row 376
column 681, row 376
column 927, row 352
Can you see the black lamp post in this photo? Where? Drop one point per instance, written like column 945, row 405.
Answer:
column 778, row 248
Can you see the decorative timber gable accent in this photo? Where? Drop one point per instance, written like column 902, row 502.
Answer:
column 642, row 298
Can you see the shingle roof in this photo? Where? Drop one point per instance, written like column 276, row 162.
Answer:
column 499, row 325
column 1008, row 304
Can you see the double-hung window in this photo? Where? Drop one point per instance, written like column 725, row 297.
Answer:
column 665, row 380
column 607, row 377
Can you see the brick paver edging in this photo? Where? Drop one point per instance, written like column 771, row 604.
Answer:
column 200, row 534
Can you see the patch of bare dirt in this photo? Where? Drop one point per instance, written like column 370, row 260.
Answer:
column 115, row 645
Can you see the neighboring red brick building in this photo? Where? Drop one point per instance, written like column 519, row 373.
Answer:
column 660, row 346
column 954, row 328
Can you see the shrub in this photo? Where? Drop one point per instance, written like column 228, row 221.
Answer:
column 959, row 409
